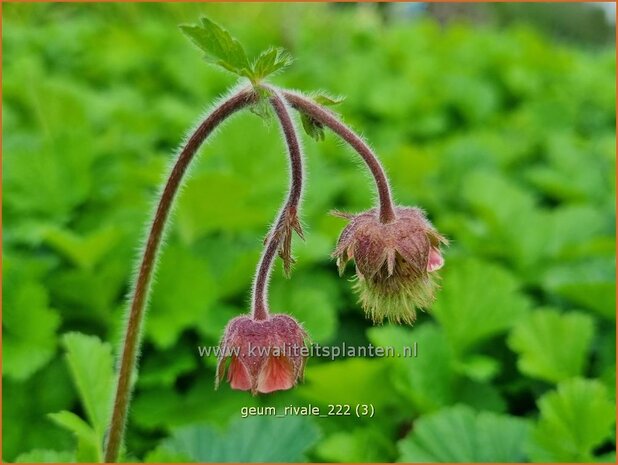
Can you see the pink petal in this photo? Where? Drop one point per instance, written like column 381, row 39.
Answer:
column 238, row 376
column 435, row 261
column 276, row 375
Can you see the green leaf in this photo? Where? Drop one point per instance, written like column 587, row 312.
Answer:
column 86, row 251
column 469, row 310
column 312, row 127
column 479, row 367
column 25, row 405
column 161, row 408
column 269, row 62
column 426, row 380
column 350, row 381
column 312, row 298
column 540, row 342
column 178, row 304
column 28, row 326
column 575, row 418
column 46, row 456
column 163, row 368
column 458, row 434
column 91, row 365
column 590, row 283
column 366, row 445
column 255, row 439
column 89, row 444
column 326, row 99
column 220, row 47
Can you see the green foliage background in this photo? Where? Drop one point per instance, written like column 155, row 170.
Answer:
column 506, row 139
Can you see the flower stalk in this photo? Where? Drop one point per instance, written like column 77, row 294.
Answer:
column 329, row 119
column 280, row 237
column 132, row 336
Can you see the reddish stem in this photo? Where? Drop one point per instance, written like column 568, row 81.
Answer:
column 287, row 218
column 329, row 119
column 134, row 323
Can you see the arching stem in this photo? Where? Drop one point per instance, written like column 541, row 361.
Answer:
column 329, row 119
column 132, row 337
column 280, row 236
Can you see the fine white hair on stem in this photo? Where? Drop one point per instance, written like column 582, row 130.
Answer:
column 144, row 276
column 279, row 236
column 326, row 117
column 139, row 250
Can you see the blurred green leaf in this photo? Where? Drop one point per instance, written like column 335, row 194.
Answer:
column 25, row 405
column 359, row 445
column 427, row 380
column 46, row 456
column 540, row 342
column 85, row 252
column 162, row 369
column 590, row 283
column 575, row 418
column 28, row 327
column 312, row 298
column 255, row 439
column 470, row 310
column 179, row 304
column 458, row 434
column 166, row 408
column 352, row 381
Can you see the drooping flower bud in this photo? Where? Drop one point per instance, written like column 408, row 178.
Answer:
column 266, row 355
column 395, row 262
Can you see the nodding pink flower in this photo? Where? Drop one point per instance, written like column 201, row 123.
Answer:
column 266, row 355
column 395, row 262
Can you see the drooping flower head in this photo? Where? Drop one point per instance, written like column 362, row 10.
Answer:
column 395, row 262
column 266, row 355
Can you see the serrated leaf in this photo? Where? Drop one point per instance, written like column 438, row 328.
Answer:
column 540, row 342
column 575, row 418
column 458, row 434
column 269, row 62
column 255, row 439
column 91, row 365
column 220, row 47
column 478, row 300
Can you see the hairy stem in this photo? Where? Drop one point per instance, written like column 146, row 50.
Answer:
column 280, row 237
column 130, row 347
column 328, row 118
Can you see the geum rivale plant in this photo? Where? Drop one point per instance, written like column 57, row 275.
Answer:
column 396, row 249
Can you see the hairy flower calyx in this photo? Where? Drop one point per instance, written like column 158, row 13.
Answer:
column 265, row 355
column 395, row 262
